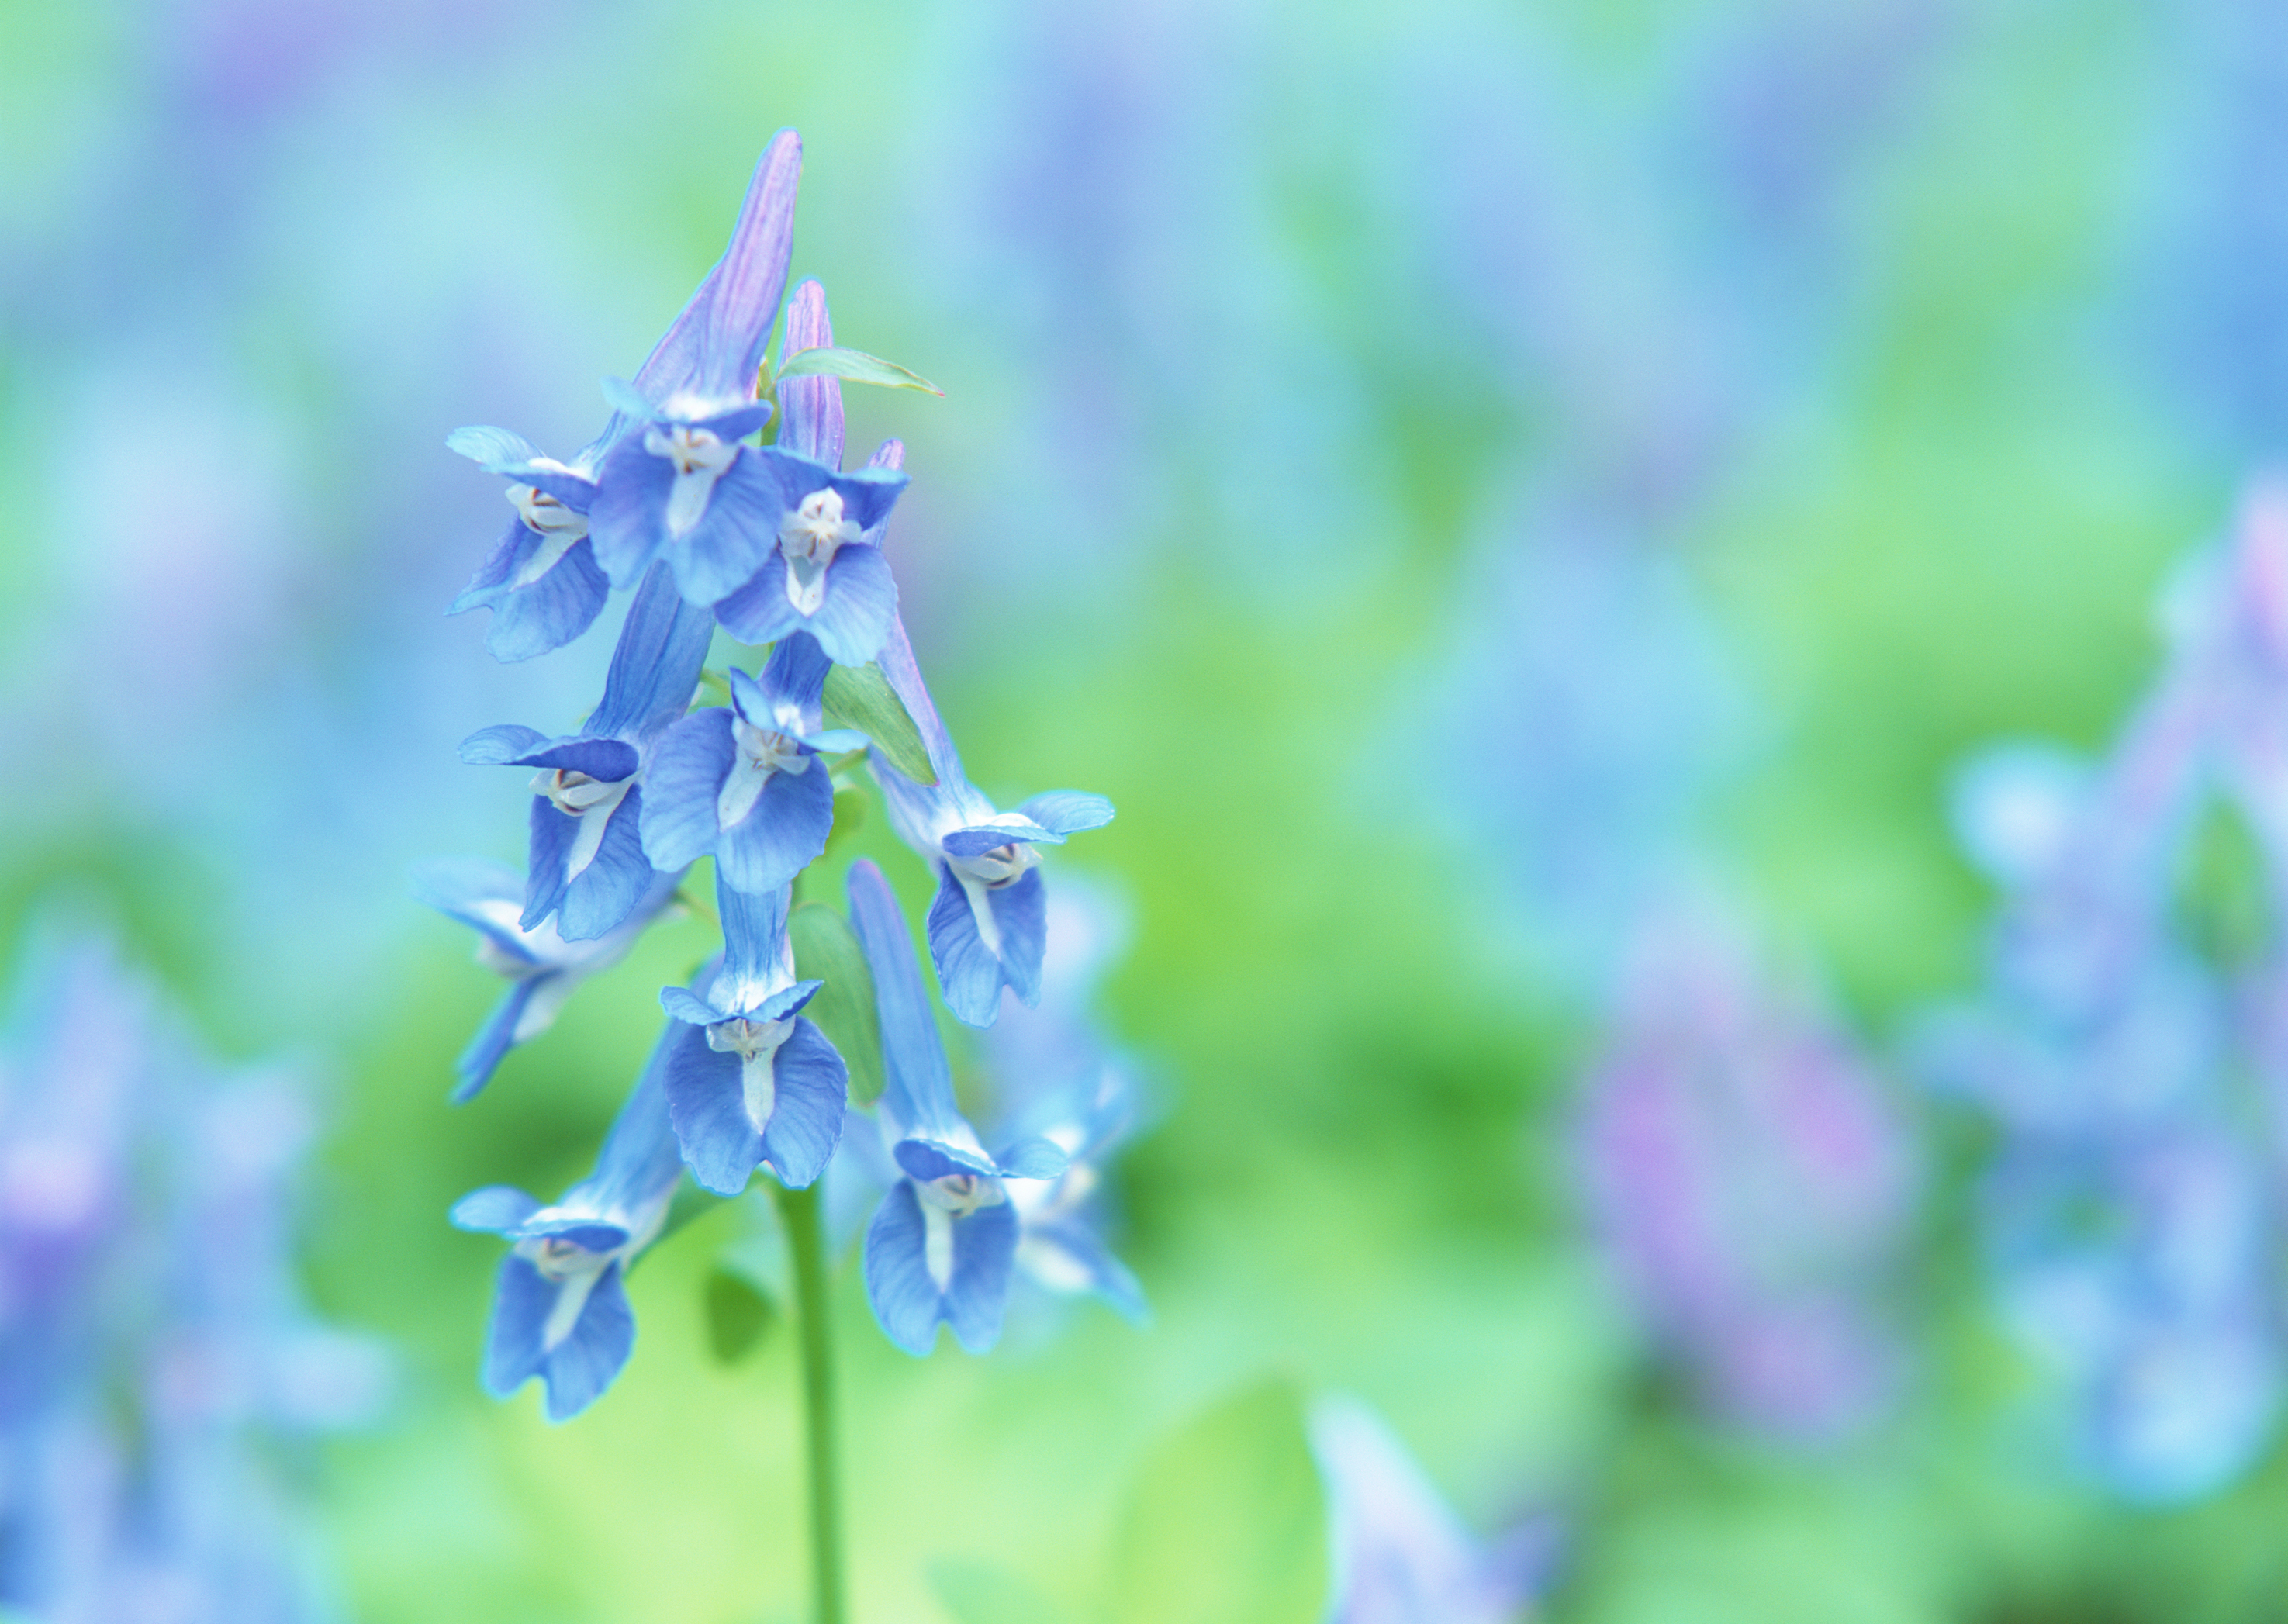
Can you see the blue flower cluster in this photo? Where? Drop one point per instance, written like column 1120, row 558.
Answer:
column 716, row 495
column 154, row 1349
column 2129, row 1042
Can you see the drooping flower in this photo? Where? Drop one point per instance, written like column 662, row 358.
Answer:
column 676, row 484
column 560, row 1309
column 547, row 577
column 747, row 1078
column 1751, row 1185
column 988, row 926
column 541, row 966
column 587, row 866
column 825, row 573
column 942, row 1242
column 743, row 780
column 1056, row 1077
column 1399, row 1553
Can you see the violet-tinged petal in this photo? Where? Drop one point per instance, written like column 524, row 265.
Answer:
column 868, row 494
column 607, row 761
column 1068, row 812
column 715, row 347
column 794, row 680
column 688, row 765
column 812, row 424
column 581, row 1366
column 812, row 1091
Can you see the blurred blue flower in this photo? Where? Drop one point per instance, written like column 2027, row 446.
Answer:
column 154, row 1344
column 942, row 1242
column 560, row 1311
column 587, row 864
column 1751, row 1183
column 743, row 781
column 541, row 966
column 1399, row 1553
column 987, row 927
column 750, row 1080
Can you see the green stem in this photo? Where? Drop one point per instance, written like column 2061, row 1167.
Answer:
column 799, row 1212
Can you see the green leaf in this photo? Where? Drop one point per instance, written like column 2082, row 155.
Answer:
column 980, row 1593
column 714, row 689
column 1227, row 1524
column 826, row 950
column 859, row 697
column 857, row 367
column 738, row 1313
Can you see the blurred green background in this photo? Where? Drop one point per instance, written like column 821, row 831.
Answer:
column 1905, row 343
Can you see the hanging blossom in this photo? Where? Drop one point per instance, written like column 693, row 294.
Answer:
column 1056, row 1078
column 747, row 1078
column 154, row 1346
column 561, row 1309
column 989, row 924
column 941, row 1244
column 2130, row 1222
column 1400, row 1556
column 1751, row 1185
column 587, row 867
column 541, row 968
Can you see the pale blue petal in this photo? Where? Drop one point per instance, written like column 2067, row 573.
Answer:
column 985, row 836
column 495, row 1209
column 1035, row 1158
column 905, row 679
column 1021, row 911
column 586, row 1362
column 552, row 833
column 522, row 1302
column 898, row 1284
column 656, row 665
column 734, row 535
column 853, row 619
column 494, row 1039
column 919, row 1085
column 796, row 675
column 707, row 1104
column 534, row 619
column 759, row 612
column 1068, row 812
column 968, row 975
column 491, row 448
column 684, row 1005
column 984, row 1249
column 608, row 889
column 625, row 521
column 926, row 1160
column 812, row 1089
column 781, row 835
column 498, row 747
column 715, row 345
column 754, row 946
column 1086, row 1253
column 688, row 765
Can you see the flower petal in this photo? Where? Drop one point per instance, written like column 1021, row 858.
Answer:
column 783, row 834
column 656, row 665
column 1068, row 812
column 584, row 1363
column 919, row 1089
column 968, row 973
column 812, row 1089
column 494, row 1039
column 984, row 1248
column 535, row 619
column 521, row 1303
column 853, row 620
column 608, row 889
column 706, row 1102
column 688, row 765
column 495, row 1209
column 898, row 1285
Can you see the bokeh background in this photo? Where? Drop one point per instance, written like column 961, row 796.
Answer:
column 1489, row 490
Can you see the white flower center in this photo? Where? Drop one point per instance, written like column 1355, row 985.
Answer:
column 756, row 1043
column 956, row 1195
column 1000, row 867
column 700, row 457
column 574, row 1271
column 576, row 795
column 756, row 753
column 557, row 527
column 808, row 541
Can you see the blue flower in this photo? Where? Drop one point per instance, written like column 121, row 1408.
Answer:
column 561, row 1312
column 587, row 864
column 743, row 780
column 941, row 1244
column 749, row 1079
column 541, row 579
column 824, row 572
column 1058, row 1243
column 541, row 966
column 676, row 484
column 987, row 927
